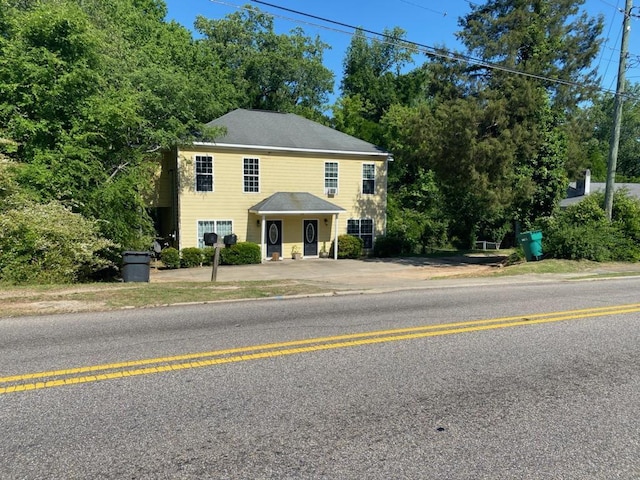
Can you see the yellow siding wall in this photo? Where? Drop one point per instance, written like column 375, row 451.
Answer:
column 163, row 179
column 278, row 173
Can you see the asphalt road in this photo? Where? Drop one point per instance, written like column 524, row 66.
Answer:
column 522, row 381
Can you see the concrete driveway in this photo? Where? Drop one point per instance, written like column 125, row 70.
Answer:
column 341, row 274
column 383, row 274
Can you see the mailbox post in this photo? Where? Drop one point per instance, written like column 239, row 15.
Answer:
column 211, row 240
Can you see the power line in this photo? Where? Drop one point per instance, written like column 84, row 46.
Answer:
column 421, row 48
column 611, row 58
column 605, row 42
column 444, row 14
column 427, row 49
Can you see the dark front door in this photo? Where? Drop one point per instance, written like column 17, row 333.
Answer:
column 274, row 237
column 310, row 238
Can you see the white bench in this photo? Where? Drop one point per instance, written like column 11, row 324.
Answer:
column 485, row 245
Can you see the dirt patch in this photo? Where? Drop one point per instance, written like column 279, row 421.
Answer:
column 60, row 306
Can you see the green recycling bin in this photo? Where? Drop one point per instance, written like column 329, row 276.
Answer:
column 532, row 244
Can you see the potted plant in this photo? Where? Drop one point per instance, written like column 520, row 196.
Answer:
column 323, row 251
column 295, row 252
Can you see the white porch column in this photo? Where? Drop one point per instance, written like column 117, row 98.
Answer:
column 335, row 239
column 263, row 249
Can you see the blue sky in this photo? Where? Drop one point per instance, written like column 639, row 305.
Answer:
column 425, row 21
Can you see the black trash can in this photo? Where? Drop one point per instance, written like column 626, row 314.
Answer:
column 135, row 266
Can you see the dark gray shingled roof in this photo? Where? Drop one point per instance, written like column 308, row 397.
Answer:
column 294, row 202
column 259, row 128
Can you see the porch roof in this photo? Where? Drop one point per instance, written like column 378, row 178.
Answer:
column 294, row 203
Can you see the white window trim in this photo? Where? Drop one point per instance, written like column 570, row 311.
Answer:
column 363, row 179
column 324, row 178
column 215, row 228
column 259, row 174
column 195, row 172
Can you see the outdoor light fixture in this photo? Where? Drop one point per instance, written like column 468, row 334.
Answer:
column 258, row 222
column 326, row 222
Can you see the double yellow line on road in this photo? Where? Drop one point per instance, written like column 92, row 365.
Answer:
column 95, row 373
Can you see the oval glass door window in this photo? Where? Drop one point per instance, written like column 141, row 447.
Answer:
column 273, row 234
column 311, row 233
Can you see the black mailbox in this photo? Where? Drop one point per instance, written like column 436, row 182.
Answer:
column 231, row 239
column 210, row 238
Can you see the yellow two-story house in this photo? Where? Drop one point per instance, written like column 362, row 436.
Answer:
column 277, row 179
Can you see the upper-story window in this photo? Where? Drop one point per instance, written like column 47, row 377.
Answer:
column 251, row 175
column 204, row 173
column 331, row 177
column 368, row 178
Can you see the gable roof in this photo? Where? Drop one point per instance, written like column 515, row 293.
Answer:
column 294, row 203
column 286, row 131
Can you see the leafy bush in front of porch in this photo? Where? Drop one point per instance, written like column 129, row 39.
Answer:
column 170, row 257
column 349, row 246
column 191, row 257
column 242, row 253
column 207, row 256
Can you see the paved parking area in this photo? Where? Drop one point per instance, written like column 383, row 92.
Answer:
column 382, row 274
column 341, row 274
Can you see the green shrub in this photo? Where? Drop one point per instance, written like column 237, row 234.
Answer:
column 582, row 231
column 47, row 243
column 578, row 242
column 207, row 256
column 242, row 253
column 349, row 246
column 170, row 257
column 391, row 246
column 191, row 257
column 626, row 214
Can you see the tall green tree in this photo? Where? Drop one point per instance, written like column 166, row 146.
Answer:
column 373, row 69
column 90, row 92
column 270, row 71
column 551, row 45
column 601, row 113
column 373, row 80
column 472, row 168
column 552, row 40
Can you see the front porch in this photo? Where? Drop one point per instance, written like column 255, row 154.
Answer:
column 297, row 222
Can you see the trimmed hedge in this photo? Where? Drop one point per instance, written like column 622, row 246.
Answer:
column 349, row 246
column 242, row 253
column 207, row 256
column 191, row 257
column 170, row 257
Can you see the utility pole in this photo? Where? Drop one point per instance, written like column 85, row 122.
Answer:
column 617, row 112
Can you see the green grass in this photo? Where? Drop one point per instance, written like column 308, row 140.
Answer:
column 548, row 266
column 583, row 269
column 33, row 300
column 46, row 299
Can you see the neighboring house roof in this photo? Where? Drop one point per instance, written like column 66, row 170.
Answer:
column 293, row 203
column 574, row 194
column 286, row 131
